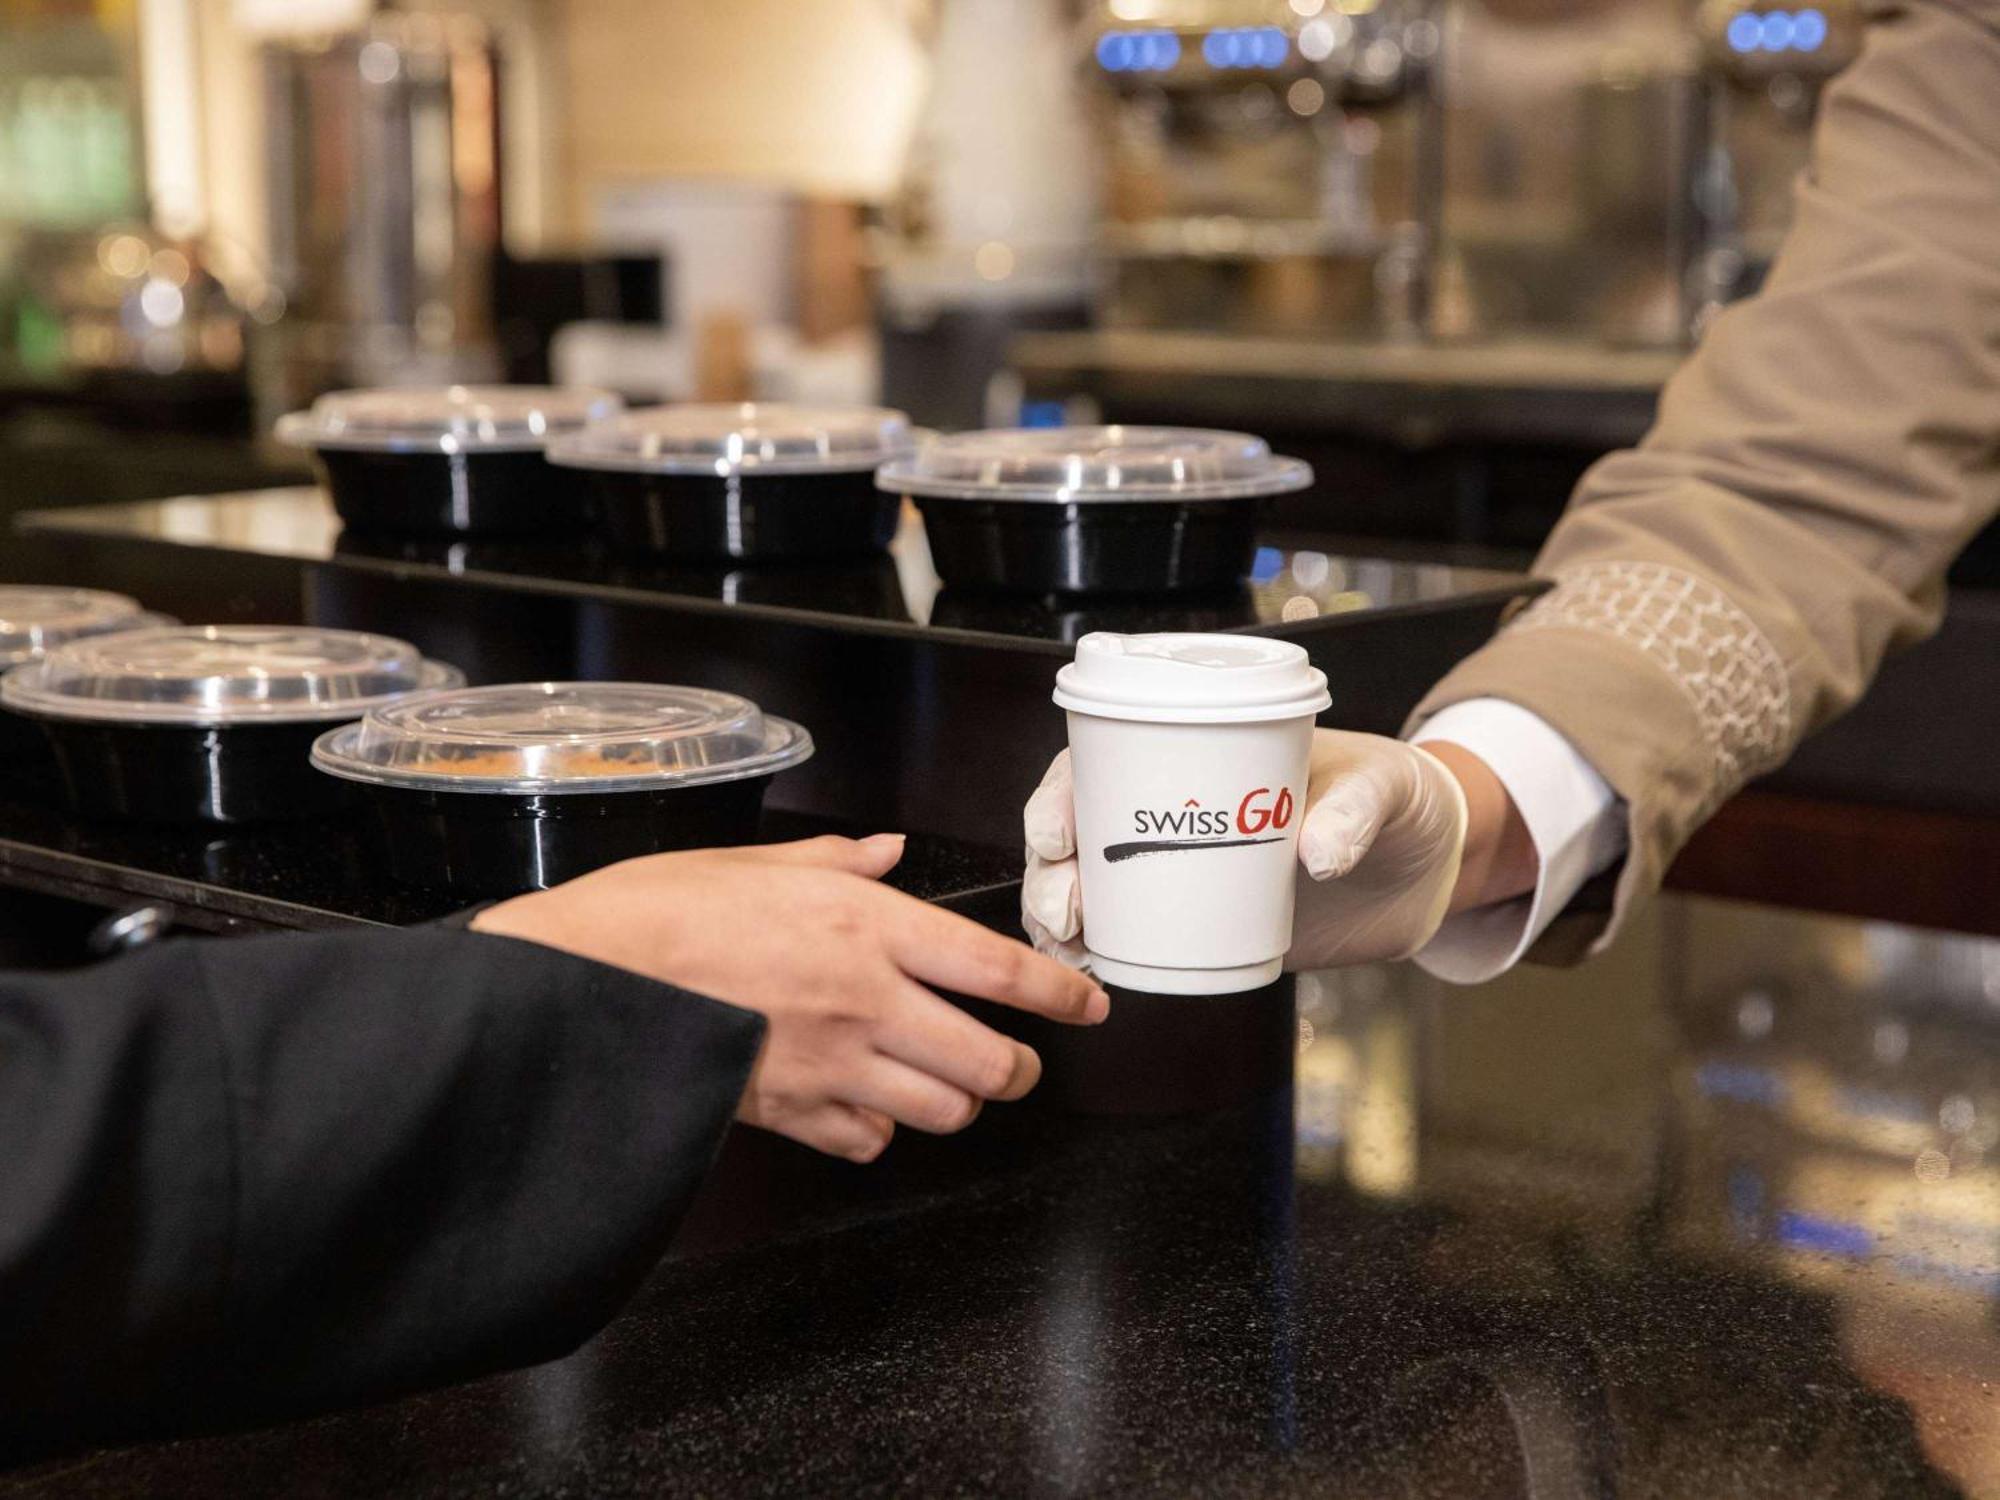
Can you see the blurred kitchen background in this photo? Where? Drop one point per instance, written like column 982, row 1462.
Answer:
column 1448, row 249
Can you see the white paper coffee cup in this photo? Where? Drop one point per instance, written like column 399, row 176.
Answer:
column 1190, row 754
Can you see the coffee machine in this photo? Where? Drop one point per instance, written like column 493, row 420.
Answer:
column 383, row 178
column 1766, row 64
column 1593, row 173
column 1269, row 167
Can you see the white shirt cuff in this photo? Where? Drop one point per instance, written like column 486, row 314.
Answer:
column 1575, row 819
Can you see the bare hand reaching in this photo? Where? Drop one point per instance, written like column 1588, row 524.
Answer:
column 840, row 965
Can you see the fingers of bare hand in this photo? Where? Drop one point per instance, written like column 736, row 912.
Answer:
column 1049, row 819
column 857, row 1134
column 936, row 1037
column 873, row 857
column 941, row 948
column 910, row 1096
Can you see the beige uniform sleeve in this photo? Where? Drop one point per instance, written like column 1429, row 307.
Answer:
column 1734, row 582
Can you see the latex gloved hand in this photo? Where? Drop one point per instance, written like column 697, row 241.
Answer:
column 1379, row 849
column 1051, row 890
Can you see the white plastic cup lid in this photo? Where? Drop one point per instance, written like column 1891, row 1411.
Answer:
column 554, row 737
column 1094, row 465
column 212, row 675
column 740, row 438
column 35, row 619
column 447, row 419
column 1191, row 679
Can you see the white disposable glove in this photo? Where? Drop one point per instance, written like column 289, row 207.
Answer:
column 1379, row 848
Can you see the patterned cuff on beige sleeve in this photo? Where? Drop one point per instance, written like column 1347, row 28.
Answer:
column 1668, row 688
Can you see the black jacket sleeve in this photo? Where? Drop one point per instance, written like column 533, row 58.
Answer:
column 245, row 1178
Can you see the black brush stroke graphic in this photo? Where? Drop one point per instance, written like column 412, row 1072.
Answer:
column 1117, row 853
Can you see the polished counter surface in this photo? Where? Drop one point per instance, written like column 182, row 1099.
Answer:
column 1295, row 589
column 1718, row 1216
column 327, row 872
column 912, row 694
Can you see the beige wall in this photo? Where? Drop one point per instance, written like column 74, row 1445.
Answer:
column 232, row 133
column 816, row 95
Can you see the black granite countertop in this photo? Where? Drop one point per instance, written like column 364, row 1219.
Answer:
column 1719, row 1216
column 328, row 872
column 1295, row 589
column 911, row 692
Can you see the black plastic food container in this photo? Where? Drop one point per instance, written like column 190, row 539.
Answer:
column 1093, row 510
column 741, row 483
column 1150, row 548
column 159, row 773
column 207, row 723
column 27, row 770
column 452, row 461
column 491, row 792
column 35, row 619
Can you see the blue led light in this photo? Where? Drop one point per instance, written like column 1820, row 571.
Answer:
column 1824, row 1236
column 1138, row 51
column 1776, row 31
column 1246, row 47
column 1742, row 1082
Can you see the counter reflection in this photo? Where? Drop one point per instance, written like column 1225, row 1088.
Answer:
column 1780, row 1127
column 1712, row 1217
column 1289, row 585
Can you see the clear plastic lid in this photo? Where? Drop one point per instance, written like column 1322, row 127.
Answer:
column 223, row 675
column 745, row 438
column 1094, row 465
column 555, row 737
column 34, row 619
column 1182, row 678
column 447, row 419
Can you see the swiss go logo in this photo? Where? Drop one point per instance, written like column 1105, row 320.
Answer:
column 1261, row 816
column 1253, row 816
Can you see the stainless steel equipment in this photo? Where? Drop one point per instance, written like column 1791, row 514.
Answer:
column 1271, row 166
column 1463, row 170
column 1767, row 64
column 384, row 185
